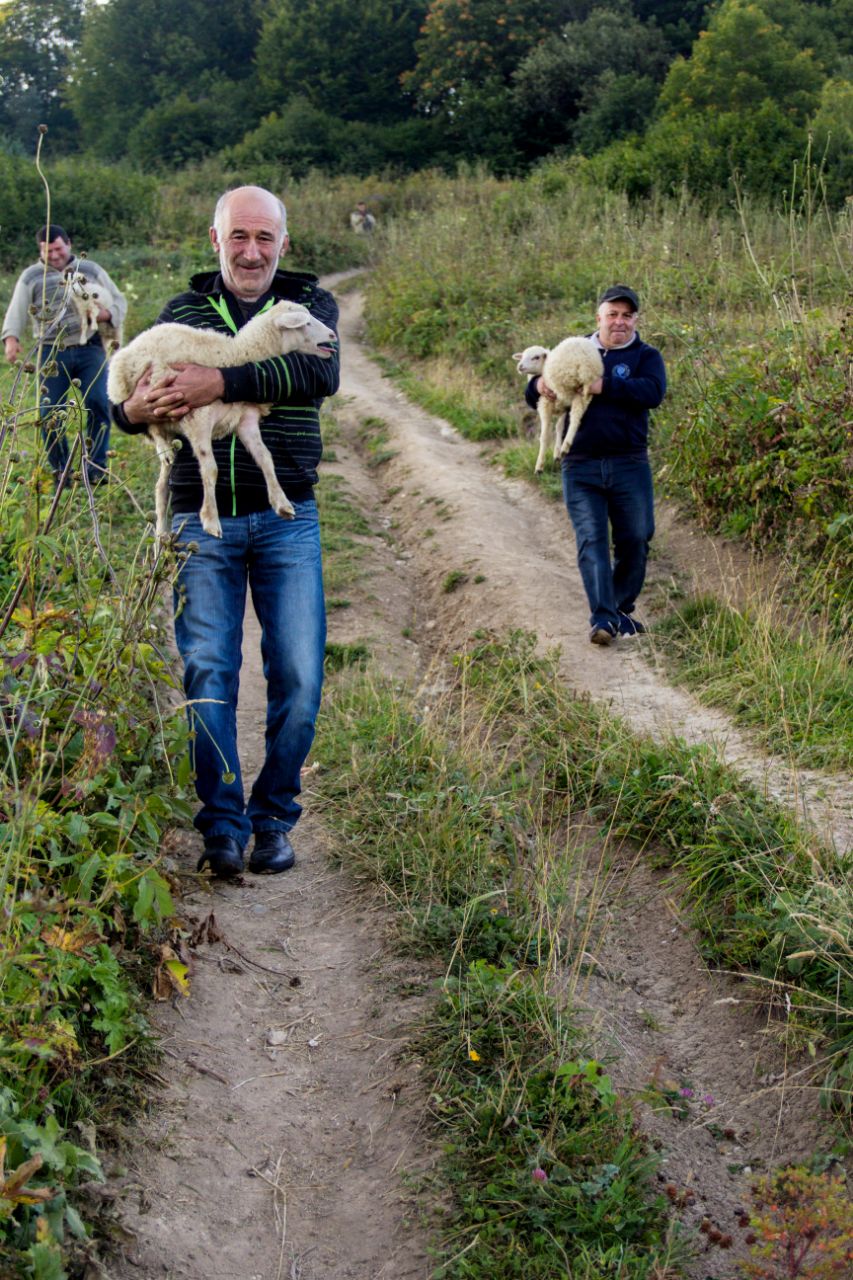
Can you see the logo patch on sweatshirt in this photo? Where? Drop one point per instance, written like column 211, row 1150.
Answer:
column 621, row 370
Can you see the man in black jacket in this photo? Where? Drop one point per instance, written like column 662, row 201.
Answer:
column 277, row 559
column 607, row 480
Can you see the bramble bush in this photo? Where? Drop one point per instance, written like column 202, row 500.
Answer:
column 765, row 452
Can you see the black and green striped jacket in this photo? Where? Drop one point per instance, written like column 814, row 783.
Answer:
column 294, row 384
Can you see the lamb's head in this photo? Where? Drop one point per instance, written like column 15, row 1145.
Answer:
column 301, row 331
column 531, row 360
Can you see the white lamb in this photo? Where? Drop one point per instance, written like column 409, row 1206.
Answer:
column 569, row 369
column 285, row 328
column 88, row 299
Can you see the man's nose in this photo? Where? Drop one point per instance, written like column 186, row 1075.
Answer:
column 251, row 249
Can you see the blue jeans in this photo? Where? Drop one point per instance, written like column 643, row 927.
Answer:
column 279, row 561
column 603, row 494
column 89, row 364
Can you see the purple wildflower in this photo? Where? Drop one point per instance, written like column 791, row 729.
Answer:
column 539, row 1175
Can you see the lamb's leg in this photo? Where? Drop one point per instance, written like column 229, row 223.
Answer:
column 163, row 444
column 559, row 430
column 546, row 413
column 198, row 429
column 249, row 434
column 580, row 403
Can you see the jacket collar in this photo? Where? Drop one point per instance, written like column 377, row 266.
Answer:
column 287, row 285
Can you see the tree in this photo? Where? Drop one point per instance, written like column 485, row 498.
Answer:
column 739, row 104
column 135, row 54
column 679, row 20
column 605, row 71
column 831, row 128
column 741, row 62
column 468, row 44
column 345, row 59
column 36, row 40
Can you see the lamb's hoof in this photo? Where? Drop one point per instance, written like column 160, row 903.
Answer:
column 286, row 512
column 213, row 527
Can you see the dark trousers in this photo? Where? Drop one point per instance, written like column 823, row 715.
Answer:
column 87, row 364
column 604, row 495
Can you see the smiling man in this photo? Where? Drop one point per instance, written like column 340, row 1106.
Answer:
column 607, row 480
column 277, row 560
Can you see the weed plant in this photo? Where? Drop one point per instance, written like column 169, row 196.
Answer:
column 88, row 782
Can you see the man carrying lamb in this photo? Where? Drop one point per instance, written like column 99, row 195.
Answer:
column 607, row 480
column 44, row 301
column 277, row 559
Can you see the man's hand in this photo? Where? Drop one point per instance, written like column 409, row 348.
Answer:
column 544, row 390
column 104, row 316
column 136, row 406
column 596, row 388
column 187, row 386
column 12, row 348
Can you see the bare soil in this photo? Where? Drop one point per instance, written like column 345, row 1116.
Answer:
column 293, row 1103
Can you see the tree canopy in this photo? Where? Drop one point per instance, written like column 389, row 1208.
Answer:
column 36, row 41
column 136, row 54
column 345, row 59
column 655, row 92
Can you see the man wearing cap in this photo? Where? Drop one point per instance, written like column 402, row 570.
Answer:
column 42, row 301
column 607, row 480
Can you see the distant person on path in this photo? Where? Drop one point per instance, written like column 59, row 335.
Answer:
column 278, row 560
column 42, row 301
column 361, row 220
column 607, row 480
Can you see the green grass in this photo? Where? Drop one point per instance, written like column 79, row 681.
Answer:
column 793, row 688
column 537, row 1148
column 470, row 420
column 464, row 815
column 519, row 460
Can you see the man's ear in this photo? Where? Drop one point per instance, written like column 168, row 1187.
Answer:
column 285, row 245
column 214, row 239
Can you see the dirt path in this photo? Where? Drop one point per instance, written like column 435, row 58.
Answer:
column 290, row 1113
column 290, row 1110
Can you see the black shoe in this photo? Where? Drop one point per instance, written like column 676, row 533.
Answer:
column 630, row 626
column 224, row 855
column 272, row 853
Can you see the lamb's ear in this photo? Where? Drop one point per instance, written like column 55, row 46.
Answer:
column 516, row 355
column 292, row 319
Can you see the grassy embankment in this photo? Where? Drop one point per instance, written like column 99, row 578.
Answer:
column 474, row 817
column 755, row 434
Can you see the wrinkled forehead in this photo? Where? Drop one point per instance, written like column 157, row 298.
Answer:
column 252, row 211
